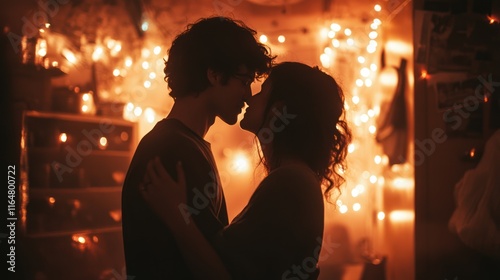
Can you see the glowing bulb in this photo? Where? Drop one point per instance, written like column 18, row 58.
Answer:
column 351, row 148
column 343, row 209
column 147, row 84
column 360, row 188
column 356, row 207
column 137, row 111
column 325, row 60
column 350, row 41
column 371, row 48
column 374, row 26
column 150, row 115
column 328, row 51
column 145, row 65
column 103, row 142
column 347, row 32
column 157, row 50
column 368, row 82
column 373, row 67
column 338, row 202
column 354, row 192
column 128, row 61
column 98, row 53
column 85, row 108
column 355, row 99
column 372, row 129
column 377, row 21
column 129, row 107
column 381, row 216
column 373, row 179
column 377, row 159
column 335, row 43
column 145, row 26
column 335, row 27
column 281, row 39
column 263, row 38
column 86, row 97
column 377, row 8
column 361, row 59
column 359, row 82
column 116, row 72
column 52, row 200
column 364, row 118
column 63, row 137
column 365, row 72
column 373, row 35
column 69, row 55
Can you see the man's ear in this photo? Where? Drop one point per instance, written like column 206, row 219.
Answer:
column 213, row 77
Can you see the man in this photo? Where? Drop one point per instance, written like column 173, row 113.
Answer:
column 209, row 71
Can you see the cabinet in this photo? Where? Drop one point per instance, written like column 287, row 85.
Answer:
column 72, row 170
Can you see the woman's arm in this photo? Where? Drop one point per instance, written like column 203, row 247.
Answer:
column 168, row 198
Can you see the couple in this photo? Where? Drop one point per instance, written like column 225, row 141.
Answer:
column 298, row 119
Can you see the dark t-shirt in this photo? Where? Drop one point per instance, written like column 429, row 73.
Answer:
column 150, row 249
column 279, row 233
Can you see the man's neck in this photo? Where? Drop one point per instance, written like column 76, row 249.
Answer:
column 194, row 113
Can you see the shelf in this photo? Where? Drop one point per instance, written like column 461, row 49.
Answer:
column 71, row 232
column 95, row 152
column 51, row 191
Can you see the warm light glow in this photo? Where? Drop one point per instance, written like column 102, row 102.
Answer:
column 103, row 142
column 373, row 179
column 152, row 75
column 137, row 111
column 399, row 47
column 86, row 97
column 371, row 48
column 347, row 32
column 150, row 115
column 365, row 72
column 373, row 67
column 128, row 61
column 377, row 159
column 372, row 129
column 356, row 207
column 377, row 21
column 401, row 216
column 368, row 82
column 63, row 137
column 240, row 163
column 374, row 26
column 147, row 84
column 85, row 108
column 98, row 53
column 491, row 19
column 423, row 74
column 328, row 50
column 335, row 43
column 343, row 209
column 145, row 65
column 361, row 59
column 402, row 183
column 381, row 215
column 281, row 38
column 355, row 99
column 69, row 55
column 331, row 34
column 116, row 72
column 350, row 41
column 325, row 60
column 359, row 82
column 52, row 200
column 263, row 38
column 335, row 27
column 145, row 26
column 157, row 50
column 354, row 192
column 377, row 8
column 42, row 48
column 323, row 33
column 351, row 148
column 373, row 35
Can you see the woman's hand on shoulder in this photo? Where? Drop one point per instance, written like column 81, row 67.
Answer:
column 164, row 195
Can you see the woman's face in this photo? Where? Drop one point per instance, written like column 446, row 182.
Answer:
column 254, row 114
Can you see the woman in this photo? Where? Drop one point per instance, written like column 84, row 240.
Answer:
column 297, row 118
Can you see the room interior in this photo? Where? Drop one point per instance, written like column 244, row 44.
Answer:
column 407, row 69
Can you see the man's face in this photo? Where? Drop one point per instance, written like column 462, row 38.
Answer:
column 229, row 99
